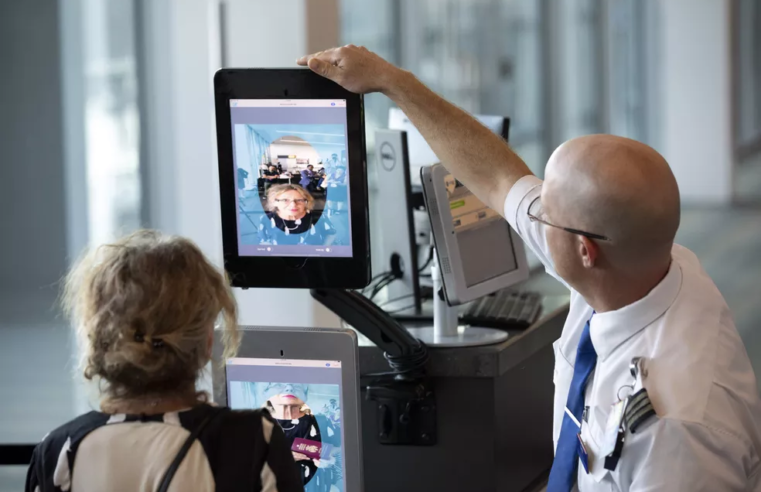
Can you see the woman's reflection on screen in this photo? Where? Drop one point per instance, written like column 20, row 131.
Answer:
column 290, row 218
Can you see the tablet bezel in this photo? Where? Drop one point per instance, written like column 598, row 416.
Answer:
column 448, row 249
column 306, row 344
column 290, row 271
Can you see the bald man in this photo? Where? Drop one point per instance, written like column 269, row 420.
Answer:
column 654, row 390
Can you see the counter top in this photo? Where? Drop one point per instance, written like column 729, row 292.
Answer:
column 490, row 361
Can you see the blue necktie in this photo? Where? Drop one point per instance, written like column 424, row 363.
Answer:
column 564, row 468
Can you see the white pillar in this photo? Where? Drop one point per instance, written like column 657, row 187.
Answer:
column 696, row 99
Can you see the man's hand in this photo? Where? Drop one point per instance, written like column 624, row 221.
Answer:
column 355, row 68
column 477, row 157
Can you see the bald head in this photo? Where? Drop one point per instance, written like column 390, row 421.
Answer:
column 616, row 187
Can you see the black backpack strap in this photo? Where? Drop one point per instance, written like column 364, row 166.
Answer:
column 169, row 474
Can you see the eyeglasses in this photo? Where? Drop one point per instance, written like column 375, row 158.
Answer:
column 536, row 214
column 297, row 201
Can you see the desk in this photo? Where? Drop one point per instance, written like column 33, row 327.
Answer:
column 494, row 412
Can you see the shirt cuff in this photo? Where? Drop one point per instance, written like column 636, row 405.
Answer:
column 517, row 195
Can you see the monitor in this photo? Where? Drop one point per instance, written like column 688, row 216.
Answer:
column 312, row 391
column 420, row 153
column 478, row 252
column 392, row 204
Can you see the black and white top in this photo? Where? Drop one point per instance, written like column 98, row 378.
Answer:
column 306, row 428
column 236, row 451
column 312, row 229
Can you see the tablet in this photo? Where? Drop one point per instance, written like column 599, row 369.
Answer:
column 479, row 253
column 293, row 180
column 309, row 381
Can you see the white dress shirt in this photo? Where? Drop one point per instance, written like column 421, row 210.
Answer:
column 707, row 433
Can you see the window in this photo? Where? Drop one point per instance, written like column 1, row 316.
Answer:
column 550, row 66
column 112, row 118
column 747, row 43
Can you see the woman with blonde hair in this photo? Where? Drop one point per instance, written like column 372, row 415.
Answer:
column 290, row 218
column 144, row 309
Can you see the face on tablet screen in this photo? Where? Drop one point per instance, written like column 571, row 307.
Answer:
column 304, row 396
column 291, row 177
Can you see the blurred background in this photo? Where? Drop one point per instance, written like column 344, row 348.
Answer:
column 107, row 125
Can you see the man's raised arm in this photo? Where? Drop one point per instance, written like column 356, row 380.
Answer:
column 480, row 159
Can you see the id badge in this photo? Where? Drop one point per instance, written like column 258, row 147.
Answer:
column 613, row 426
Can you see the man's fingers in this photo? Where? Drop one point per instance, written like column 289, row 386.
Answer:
column 304, row 60
column 328, row 55
column 324, row 68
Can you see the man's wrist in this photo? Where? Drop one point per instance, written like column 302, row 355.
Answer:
column 397, row 84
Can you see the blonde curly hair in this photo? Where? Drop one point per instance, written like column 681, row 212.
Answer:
column 143, row 308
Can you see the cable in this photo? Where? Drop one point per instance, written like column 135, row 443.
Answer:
column 405, row 366
column 401, row 309
column 389, row 301
column 428, row 261
column 381, row 277
column 408, row 364
column 383, row 283
column 376, row 278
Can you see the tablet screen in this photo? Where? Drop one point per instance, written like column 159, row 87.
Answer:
column 291, row 177
column 475, row 225
column 304, row 396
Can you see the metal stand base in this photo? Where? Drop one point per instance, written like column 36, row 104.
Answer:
column 465, row 337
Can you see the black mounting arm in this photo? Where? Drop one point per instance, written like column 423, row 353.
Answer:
column 406, row 404
column 370, row 320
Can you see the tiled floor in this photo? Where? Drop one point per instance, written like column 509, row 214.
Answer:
column 37, row 368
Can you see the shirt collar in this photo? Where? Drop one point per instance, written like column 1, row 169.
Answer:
column 611, row 329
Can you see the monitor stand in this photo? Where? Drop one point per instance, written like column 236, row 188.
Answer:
column 446, row 332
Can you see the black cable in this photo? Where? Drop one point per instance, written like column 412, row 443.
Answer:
column 389, row 301
column 379, row 277
column 401, row 309
column 405, row 366
column 428, row 261
column 383, row 283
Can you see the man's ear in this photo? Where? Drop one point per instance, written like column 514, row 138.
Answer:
column 588, row 251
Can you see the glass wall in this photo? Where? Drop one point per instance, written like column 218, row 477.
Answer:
column 548, row 65
column 373, row 25
column 747, row 32
column 628, row 68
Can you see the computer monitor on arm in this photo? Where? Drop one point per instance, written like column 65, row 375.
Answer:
column 478, row 254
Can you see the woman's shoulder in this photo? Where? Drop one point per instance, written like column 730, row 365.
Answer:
column 49, row 454
column 74, row 430
column 231, row 422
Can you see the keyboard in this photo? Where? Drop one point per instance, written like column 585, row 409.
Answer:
column 504, row 309
column 512, row 309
